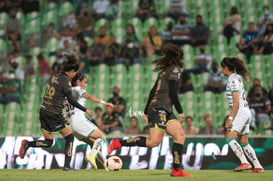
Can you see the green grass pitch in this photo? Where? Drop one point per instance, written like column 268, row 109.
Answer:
column 131, row 175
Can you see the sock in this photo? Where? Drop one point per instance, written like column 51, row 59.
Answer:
column 177, row 155
column 137, row 141
column 97, row 146
column 68, row 149
column 40, row 143
column 101, row 158
column 237, row 149
column 250, row 153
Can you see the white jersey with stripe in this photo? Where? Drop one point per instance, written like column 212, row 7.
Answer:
column 77, row 93
column 236, row 84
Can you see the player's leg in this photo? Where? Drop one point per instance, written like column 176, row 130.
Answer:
column 250, row 153
column 157, row 125
column 69, row 139
column 154, row 139
column 237, row 150
column 97, row 140
column 173, row 128
column 46, row 126
column 37, row 143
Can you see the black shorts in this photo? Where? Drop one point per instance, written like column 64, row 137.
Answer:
column 158, row 118
column 52, row 122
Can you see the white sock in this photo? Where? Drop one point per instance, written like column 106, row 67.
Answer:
column 237, row 149
column 97, row 146
column 250, row 153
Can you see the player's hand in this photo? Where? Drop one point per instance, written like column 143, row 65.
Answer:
column 109, row 104
column 228, row 123
column 89, row 112
column 145, row 117
column 181, row 118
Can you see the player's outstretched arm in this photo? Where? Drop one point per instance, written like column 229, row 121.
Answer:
column 97, row 100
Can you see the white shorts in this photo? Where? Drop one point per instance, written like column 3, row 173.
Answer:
column 81, row 127
column 242, row 121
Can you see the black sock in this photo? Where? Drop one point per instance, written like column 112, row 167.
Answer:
column 68, row 149
column 40, row 143
column 137, row 141
column 177, row 155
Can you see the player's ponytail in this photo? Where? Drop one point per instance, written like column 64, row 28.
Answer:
column 237, row 65
column 173, row 55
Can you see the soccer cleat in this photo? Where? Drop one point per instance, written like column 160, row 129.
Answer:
column 114, row 145
column 179, row 173
column 105, row 167
column 257, row 170
column 243, row 166
column 23, row 148
column 92, row 160
column 65, row 168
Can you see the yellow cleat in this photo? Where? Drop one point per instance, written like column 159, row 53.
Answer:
column 105, row 167
column 92, row 160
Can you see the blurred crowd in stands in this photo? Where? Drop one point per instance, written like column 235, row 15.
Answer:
column 77, row 34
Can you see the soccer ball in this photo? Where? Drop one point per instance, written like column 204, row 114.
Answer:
column 114, row 163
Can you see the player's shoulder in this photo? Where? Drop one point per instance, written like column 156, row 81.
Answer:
column 235, row 78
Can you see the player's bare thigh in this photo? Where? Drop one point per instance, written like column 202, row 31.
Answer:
column 65, row 132
column 175, row 130
column 48, row 135
column 155, row 137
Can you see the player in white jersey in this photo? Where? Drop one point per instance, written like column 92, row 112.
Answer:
column 239, row 118
column 82, row 128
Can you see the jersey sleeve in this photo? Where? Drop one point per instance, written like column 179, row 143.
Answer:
column 234, row 85
column 173, row 73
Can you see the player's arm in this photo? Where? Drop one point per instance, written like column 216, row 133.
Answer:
column 97, row 100
column 173, row 86
column 234, row 109
column 151, row 95
column 73, row 102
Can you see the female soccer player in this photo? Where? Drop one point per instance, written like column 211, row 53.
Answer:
column 82, row 128
column 159, row 111
column 51, row 118
column 239, row 118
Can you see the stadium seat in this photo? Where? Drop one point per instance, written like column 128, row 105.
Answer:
column 65, row 9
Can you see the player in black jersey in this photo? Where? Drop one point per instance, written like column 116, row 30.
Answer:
column 51, row 117
column 159, row 109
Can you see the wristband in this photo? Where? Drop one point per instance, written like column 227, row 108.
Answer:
column 102, row 102
column 230, row 117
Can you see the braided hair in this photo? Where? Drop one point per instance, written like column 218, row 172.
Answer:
column 237, row 65
column 173, row 55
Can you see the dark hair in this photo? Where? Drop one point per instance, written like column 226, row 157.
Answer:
column 189, row 117
column 78, row 76
column 40, row 56
column 233, row 10
column 134, row 117
column 236, row 64
column 132, row 26
column 98, row 108
column 173, row 55
column 71, row 63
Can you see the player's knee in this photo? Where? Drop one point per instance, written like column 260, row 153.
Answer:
column 48, row 142
column 69, row 138
column 153, row 143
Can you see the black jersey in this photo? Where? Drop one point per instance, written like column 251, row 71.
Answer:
column 56, row 91
column 161, row 97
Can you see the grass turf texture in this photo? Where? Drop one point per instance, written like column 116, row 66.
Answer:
column 131, row 175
